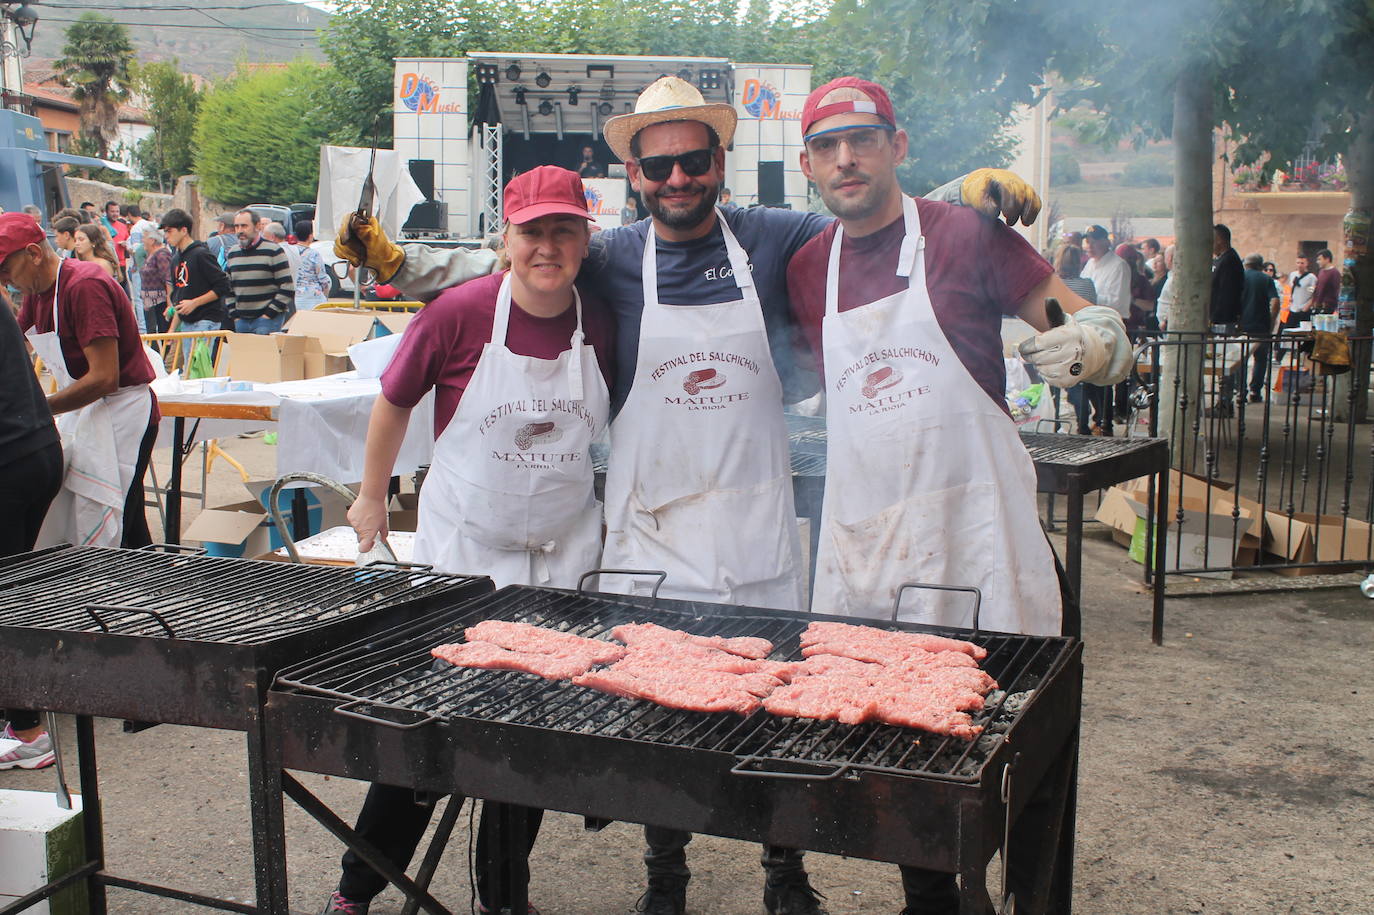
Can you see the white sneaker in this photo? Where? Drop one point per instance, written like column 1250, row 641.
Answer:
column 35, row 754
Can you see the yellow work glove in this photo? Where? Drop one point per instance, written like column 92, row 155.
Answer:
column 367, row 238
column 991, row 191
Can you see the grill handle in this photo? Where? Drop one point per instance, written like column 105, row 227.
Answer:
column 657, row 573
column 822, row 776
column 920, row 585
column 354, row 710
column 175, row 548
column 131, row 611
column 399, row 564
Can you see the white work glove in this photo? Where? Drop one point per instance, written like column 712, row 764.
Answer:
column 1090, row 346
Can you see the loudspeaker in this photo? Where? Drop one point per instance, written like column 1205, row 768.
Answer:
column 422, row 171
column 430, row 216
column 770, row 184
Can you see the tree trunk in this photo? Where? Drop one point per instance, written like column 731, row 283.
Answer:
column 1180, row 381
column 1357, row 275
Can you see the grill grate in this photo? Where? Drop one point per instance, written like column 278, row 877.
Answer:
column 399, row 672
column 1073, row 450
column 196, row 597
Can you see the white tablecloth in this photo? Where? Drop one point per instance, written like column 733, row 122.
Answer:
column 321, row 423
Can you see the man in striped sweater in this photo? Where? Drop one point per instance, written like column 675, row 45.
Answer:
column 264, row 290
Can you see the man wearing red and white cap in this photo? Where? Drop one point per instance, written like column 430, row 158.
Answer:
column 927, row 481
column 81, row 324
column 519, row 399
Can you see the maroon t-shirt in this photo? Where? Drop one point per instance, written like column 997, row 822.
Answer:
column 442, row 345
column 977, row 270
column 1327, row 293
column 90, row 306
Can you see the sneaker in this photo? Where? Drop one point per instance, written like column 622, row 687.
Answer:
column 35, row 754
column 795, row 898
column 505, row 910
column 1256, row 397
column 663, row 899
column 341, row 905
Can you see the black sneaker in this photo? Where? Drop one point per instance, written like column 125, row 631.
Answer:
column 794, row 898
column 663, row 898
column 342, row 905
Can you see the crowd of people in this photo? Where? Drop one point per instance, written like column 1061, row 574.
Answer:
column 72, row 462
column 1248, row 296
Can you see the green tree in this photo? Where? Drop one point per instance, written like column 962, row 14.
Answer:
column 258, row 135
column 1196, row 67
column 95, row 63
column 173, row 102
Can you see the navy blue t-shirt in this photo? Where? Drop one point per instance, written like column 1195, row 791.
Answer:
column 698, row 273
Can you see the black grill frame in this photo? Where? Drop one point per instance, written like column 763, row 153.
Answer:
column 952, row 823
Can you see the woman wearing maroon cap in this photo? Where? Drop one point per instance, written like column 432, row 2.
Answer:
column 519, row 397
column 81, row 324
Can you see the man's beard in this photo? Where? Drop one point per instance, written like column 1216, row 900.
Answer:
column 860, row 207
column 683, row 219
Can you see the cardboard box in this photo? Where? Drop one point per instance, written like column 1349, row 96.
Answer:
column 328, row 335
column 1308, row 537
column 269, row 358
column 1214, row 520
column 234, row 531
column 1203, row 538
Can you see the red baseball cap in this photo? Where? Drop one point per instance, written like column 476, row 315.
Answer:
column 18, row 230
column 543, row 191
column 843, row 95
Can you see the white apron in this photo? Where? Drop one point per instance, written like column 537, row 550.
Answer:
column 926, row 479
column 100, row 450
column 699, row 483
column 509, row 493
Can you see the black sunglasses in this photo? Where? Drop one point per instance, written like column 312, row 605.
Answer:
column 694, row 164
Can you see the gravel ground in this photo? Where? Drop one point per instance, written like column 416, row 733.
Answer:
column 1228, row 771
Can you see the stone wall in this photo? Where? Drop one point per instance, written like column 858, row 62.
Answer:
column 1277, row 224
column 98, row 192
column 203, row 210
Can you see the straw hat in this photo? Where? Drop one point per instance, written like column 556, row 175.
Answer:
column 668, row 99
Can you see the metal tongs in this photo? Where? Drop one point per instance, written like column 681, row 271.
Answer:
column 366, row 200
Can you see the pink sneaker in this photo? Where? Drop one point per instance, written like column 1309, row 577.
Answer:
column 35, row 754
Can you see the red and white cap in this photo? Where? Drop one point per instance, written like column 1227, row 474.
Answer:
column 18, row 230
column 544, row 191
column 844, row 95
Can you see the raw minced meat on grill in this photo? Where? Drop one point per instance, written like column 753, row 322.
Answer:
column 694, row 691
column 853, row 701
column 973, row 678
column 683, row 655
column 538, row 640
column 635, row 634
column 488, row 656
column 649, row 665
column 843, row 633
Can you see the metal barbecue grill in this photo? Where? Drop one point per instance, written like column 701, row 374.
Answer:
column 387, row 711
column 172, row 637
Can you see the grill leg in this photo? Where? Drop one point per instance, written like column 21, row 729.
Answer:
column 1160, row 521
column 268, row 817
column 436, row 850
column 172, row 528
column 1073, row 539
column 92, row 825
column 365, row 849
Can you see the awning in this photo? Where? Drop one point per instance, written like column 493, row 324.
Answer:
column 44, row 155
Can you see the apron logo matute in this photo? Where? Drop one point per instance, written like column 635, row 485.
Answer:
column 531, row 434
column 883, row 378
column 702, row 380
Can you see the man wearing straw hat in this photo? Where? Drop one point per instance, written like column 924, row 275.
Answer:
column 699, row 481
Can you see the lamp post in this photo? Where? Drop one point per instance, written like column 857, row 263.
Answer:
column 16, row 40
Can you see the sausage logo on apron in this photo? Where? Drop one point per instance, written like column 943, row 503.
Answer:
column 706, row 387
column 533, row 441
column 880, row 381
